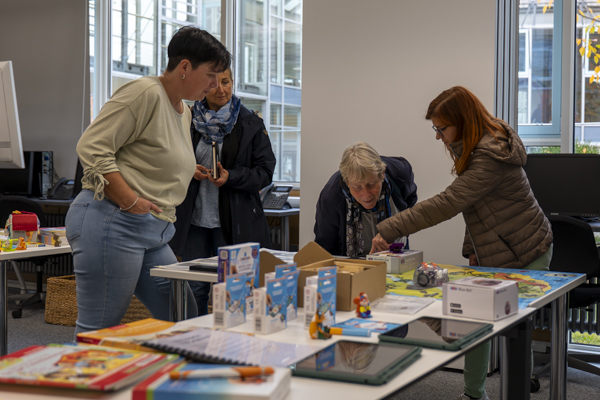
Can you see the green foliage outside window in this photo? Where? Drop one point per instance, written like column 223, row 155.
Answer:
column 580, row 148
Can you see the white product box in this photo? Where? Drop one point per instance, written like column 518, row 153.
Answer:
column 480, row 298
column 229, row 301
column 310, row 303
column 398, row 263
column 270, row 307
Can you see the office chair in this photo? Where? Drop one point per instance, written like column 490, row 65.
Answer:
column 8, row 204
column 575, row 250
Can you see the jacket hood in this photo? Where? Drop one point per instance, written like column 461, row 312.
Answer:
column 506, row 147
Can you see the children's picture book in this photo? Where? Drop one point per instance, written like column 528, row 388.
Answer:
column 367, row 325
column 160, row 387
column 130, row 336
column 224, row 347
column 80, row 367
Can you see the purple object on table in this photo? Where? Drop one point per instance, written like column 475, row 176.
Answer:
column 396, row 247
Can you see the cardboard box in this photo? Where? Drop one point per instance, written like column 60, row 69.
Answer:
column 270, row 312
column 480, row 298
column 353, row 276
column 398, row 263
column 229, row 301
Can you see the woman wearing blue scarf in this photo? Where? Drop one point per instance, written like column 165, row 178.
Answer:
column 366, row 190
column 227, row 210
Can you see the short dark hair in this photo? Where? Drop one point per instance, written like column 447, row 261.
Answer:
column 199, row 47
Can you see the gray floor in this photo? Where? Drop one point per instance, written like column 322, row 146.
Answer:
column 31, row 329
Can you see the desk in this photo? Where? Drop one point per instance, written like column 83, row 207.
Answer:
column 18, row 255
column 178, row 299
column 305, row 388
column 284, row 216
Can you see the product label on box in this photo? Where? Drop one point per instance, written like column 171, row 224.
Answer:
column 270, row 312
column 291, row 279
column 229, row 302
column 239, row 258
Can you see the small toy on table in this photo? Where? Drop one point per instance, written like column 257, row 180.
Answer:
column 397, row 248
column 21, row 245
column 430, row 275
column 363, row 306
column 56, row 240
column 317, row 328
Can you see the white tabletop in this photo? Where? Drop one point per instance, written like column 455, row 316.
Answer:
column 305, row 388
column 34, row 252
column 185, row 275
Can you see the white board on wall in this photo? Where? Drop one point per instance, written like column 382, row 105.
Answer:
column 370, row 70
column 47, row 43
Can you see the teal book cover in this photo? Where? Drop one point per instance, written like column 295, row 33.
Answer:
column 161, row 387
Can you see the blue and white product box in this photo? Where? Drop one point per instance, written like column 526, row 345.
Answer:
column 310, row 296
column 320, row 298
column 280, row 270
column 291, row 280
column 480, row 298
column 239, row 258
column 398, row 263
column 270, row 307
column 229, row 301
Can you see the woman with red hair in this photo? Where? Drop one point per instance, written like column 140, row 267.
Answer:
column 505, row 226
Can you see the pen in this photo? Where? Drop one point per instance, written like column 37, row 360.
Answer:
column 228, row 372
column 350, row 331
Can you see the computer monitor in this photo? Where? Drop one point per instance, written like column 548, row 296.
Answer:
column 34, row 180
column 565, row 184
column 11, row 149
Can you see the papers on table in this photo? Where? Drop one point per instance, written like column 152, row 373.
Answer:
column 396, row 304
column 212, row 262
column 285, row 256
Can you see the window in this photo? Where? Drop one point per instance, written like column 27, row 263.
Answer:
column 267, row 56
column 540, row 77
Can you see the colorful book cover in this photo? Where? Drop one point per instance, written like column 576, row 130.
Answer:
column 160, row 387
column 80, row 367
column 130, row 336
column 367, row 325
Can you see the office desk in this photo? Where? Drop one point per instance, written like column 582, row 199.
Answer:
column 18, row 255
column 305, row 388
column 284, row 216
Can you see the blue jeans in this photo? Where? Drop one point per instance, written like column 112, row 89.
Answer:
column 201, row 243
column 113, row 252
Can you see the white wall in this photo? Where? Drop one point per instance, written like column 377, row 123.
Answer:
column 46, row 41
column 370, row 69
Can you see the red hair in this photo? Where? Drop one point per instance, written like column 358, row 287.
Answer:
column 459, row 107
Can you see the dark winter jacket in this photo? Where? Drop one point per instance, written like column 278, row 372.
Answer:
column 330, row 219
column 248, row 157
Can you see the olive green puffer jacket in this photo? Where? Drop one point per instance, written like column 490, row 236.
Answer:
column 505, row 226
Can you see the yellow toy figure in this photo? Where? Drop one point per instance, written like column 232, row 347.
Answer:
column 21, row 245
column 363, row 308
column 316, row 329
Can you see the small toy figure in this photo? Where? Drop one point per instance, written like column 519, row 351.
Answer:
column 363, row 306
column 317, row 329
column 430, row 275
column 56, row 240
column 21, row 245
column 397, row 248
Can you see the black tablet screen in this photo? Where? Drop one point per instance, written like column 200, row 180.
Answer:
column 354, row 358
column 436, row 330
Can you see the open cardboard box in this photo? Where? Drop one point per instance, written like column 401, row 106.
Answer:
column 353, row 276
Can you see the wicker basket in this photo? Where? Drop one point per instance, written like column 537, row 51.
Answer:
column 61, row 303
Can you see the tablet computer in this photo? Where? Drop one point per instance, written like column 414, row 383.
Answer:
column 358, row 362
column 437, row 333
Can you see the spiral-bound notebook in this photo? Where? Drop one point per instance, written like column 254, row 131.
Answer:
column 223, row 347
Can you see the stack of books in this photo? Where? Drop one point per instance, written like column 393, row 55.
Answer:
column 46, row 235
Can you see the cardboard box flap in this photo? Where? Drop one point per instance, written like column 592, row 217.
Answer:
column 267, row 264
column 311, row 253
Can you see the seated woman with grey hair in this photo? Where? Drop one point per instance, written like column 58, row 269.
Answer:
column 366, row 190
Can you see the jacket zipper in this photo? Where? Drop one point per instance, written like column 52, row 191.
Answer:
column 473, row 244
column 510, row 248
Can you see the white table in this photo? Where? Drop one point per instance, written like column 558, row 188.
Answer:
column 6, row 256
column 305, row 388
column 284, row 216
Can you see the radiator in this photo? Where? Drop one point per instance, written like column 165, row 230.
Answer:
column 585, row 320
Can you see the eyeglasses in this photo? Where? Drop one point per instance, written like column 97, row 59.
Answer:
column 440, row 131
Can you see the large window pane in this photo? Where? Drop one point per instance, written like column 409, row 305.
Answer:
column 252, row 47
column 276, row 50
column 293, row 54
column 293, row 9
column 256, row 105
